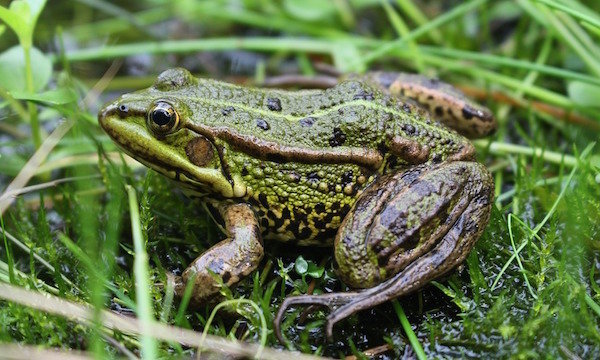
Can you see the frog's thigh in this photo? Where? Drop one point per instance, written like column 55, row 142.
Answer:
column 420, row 223
column 231, row 259
column 405, row 230
column 444, row 101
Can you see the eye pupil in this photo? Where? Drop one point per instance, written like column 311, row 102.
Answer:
column 161, row 117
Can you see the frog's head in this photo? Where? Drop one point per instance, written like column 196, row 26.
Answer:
column 150, row 125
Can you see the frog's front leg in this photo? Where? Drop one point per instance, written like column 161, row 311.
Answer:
column 405, row 230
column 231, row 259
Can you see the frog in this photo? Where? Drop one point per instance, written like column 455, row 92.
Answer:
column 380, row 167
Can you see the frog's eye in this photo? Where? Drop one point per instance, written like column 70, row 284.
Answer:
column 162, row 118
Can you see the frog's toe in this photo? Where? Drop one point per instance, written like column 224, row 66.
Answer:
column 332, row 301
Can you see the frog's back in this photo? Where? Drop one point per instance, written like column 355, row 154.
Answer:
column 354, row 113
column 306, row 156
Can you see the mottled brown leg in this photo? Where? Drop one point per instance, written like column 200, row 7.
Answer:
column 231, row 259
column 443, row 101
column 404, row 231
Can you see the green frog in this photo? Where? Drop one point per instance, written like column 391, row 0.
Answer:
column 379, row 166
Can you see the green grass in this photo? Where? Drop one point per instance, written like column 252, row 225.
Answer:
column 90, row 226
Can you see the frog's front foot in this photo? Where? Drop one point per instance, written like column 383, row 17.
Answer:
column 405, row 230
column 230, row 260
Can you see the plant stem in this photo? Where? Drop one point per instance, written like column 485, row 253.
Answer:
column 31, row 107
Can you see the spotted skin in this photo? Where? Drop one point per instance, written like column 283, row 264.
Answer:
column 356, row 166
column 444, row 101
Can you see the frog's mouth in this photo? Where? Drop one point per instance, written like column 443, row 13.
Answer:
column 132, row 136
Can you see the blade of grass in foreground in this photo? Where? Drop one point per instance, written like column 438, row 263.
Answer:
column 142, row 286
column 82, row 314
column 412, row 337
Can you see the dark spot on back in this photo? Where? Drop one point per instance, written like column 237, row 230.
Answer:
column 274, row 104
column 244, row 171
column 335, row 205
column 363, row 95
column 307, row 121
column 433, row 83
column 406, row 108
column 408, row 129
column 338, row 137
column 228, row 110
column 261, row 123
column 313, row 177
column 294, row 177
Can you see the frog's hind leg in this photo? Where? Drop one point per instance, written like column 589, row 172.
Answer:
column 404, row 231
column 444, row 101
column 231, row 259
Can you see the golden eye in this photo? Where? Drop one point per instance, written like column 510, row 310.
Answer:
column 162, row 118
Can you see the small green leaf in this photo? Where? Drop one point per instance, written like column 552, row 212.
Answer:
column 16, row 22
column 301, row 265
column 12, row 69
column 314, row 271
column 52, row 97
column 27, row 10
column 584, row 93
column 22, row 16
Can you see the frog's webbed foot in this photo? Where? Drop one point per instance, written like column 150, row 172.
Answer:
column 231, row 259
column 403, row 232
